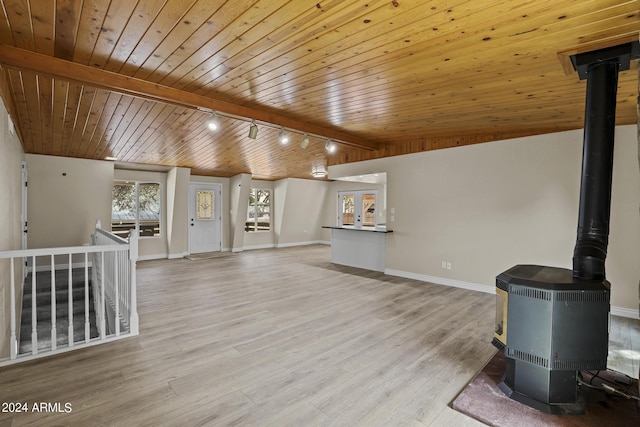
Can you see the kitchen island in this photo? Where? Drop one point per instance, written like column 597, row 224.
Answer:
column 362, row 247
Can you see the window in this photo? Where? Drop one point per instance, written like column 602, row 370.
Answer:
column 135, row 206
column 259, row 212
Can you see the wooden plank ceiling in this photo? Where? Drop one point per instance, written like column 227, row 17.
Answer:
column 384, row 77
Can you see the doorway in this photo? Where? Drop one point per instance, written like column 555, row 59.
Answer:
column 205, row 218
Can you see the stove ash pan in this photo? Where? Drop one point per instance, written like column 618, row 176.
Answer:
column 550, row 326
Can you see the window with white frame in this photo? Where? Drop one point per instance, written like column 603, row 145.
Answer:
column 136, row 206
column 259, row 212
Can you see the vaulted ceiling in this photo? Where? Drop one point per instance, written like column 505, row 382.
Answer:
column 136, row 79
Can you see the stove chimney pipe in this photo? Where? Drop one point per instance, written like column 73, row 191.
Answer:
column 600, row 68
column 597, row 165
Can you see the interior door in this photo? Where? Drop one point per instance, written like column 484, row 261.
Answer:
column 205, row 218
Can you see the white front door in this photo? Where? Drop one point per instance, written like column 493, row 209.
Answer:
column 205, row 218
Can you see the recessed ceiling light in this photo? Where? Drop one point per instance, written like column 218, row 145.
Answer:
column 113, row 159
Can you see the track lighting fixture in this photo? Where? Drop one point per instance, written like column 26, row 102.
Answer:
column 253, row 130
column 284, row 138
column 305, row 141
column 330, row 146
column 213, row 123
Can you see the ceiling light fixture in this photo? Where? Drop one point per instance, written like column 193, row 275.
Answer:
column 330, row 146
column 253, row 130
column 316, row 173
column 305, row 141
column 214, row 123
column 284, row 138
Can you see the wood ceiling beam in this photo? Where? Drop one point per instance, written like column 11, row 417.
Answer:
column 73, row 72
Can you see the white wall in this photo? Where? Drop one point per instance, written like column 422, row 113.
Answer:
column 297, row 213
column 301, row 211
column 487, row 207
column 65, row 198
column 177, row 194
column 11, row 156
column 240, row 186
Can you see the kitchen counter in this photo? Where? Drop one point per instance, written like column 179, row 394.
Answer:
column 362, row 247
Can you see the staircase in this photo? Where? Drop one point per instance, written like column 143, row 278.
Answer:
column 43, row 310
column 103, row 304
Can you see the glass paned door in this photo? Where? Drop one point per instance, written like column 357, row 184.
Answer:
column 369, row 209
column 357, row 208
column 348, row 205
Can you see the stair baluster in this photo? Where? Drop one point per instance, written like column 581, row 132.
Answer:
column 14, row 339
column 54, row 336
column 34, row 313
column 116, row 299
column 102, row 300
column 70, row 285
column 87, row 325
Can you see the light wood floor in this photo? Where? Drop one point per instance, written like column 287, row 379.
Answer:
column 277, row 337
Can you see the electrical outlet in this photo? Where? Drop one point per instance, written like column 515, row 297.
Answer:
column 444, row 264
column 448, row 266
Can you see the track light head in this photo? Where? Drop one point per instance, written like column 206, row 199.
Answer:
column 253, row 130
column 305, row 141
column 284, row 138
column 214, row 123
column 330, row 146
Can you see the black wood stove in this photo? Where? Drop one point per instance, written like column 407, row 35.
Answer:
column 551, row 322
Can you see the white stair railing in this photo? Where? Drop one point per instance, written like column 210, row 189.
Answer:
column 115, row 273
column 112, row 283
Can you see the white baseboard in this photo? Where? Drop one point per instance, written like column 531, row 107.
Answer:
column 310, row 242
column 615, row 311
column 237, row 249
column 153, row 256
column 286, row 245
column 442, row 281
column 178, row 256
column 253, row 247
column 625, row 312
